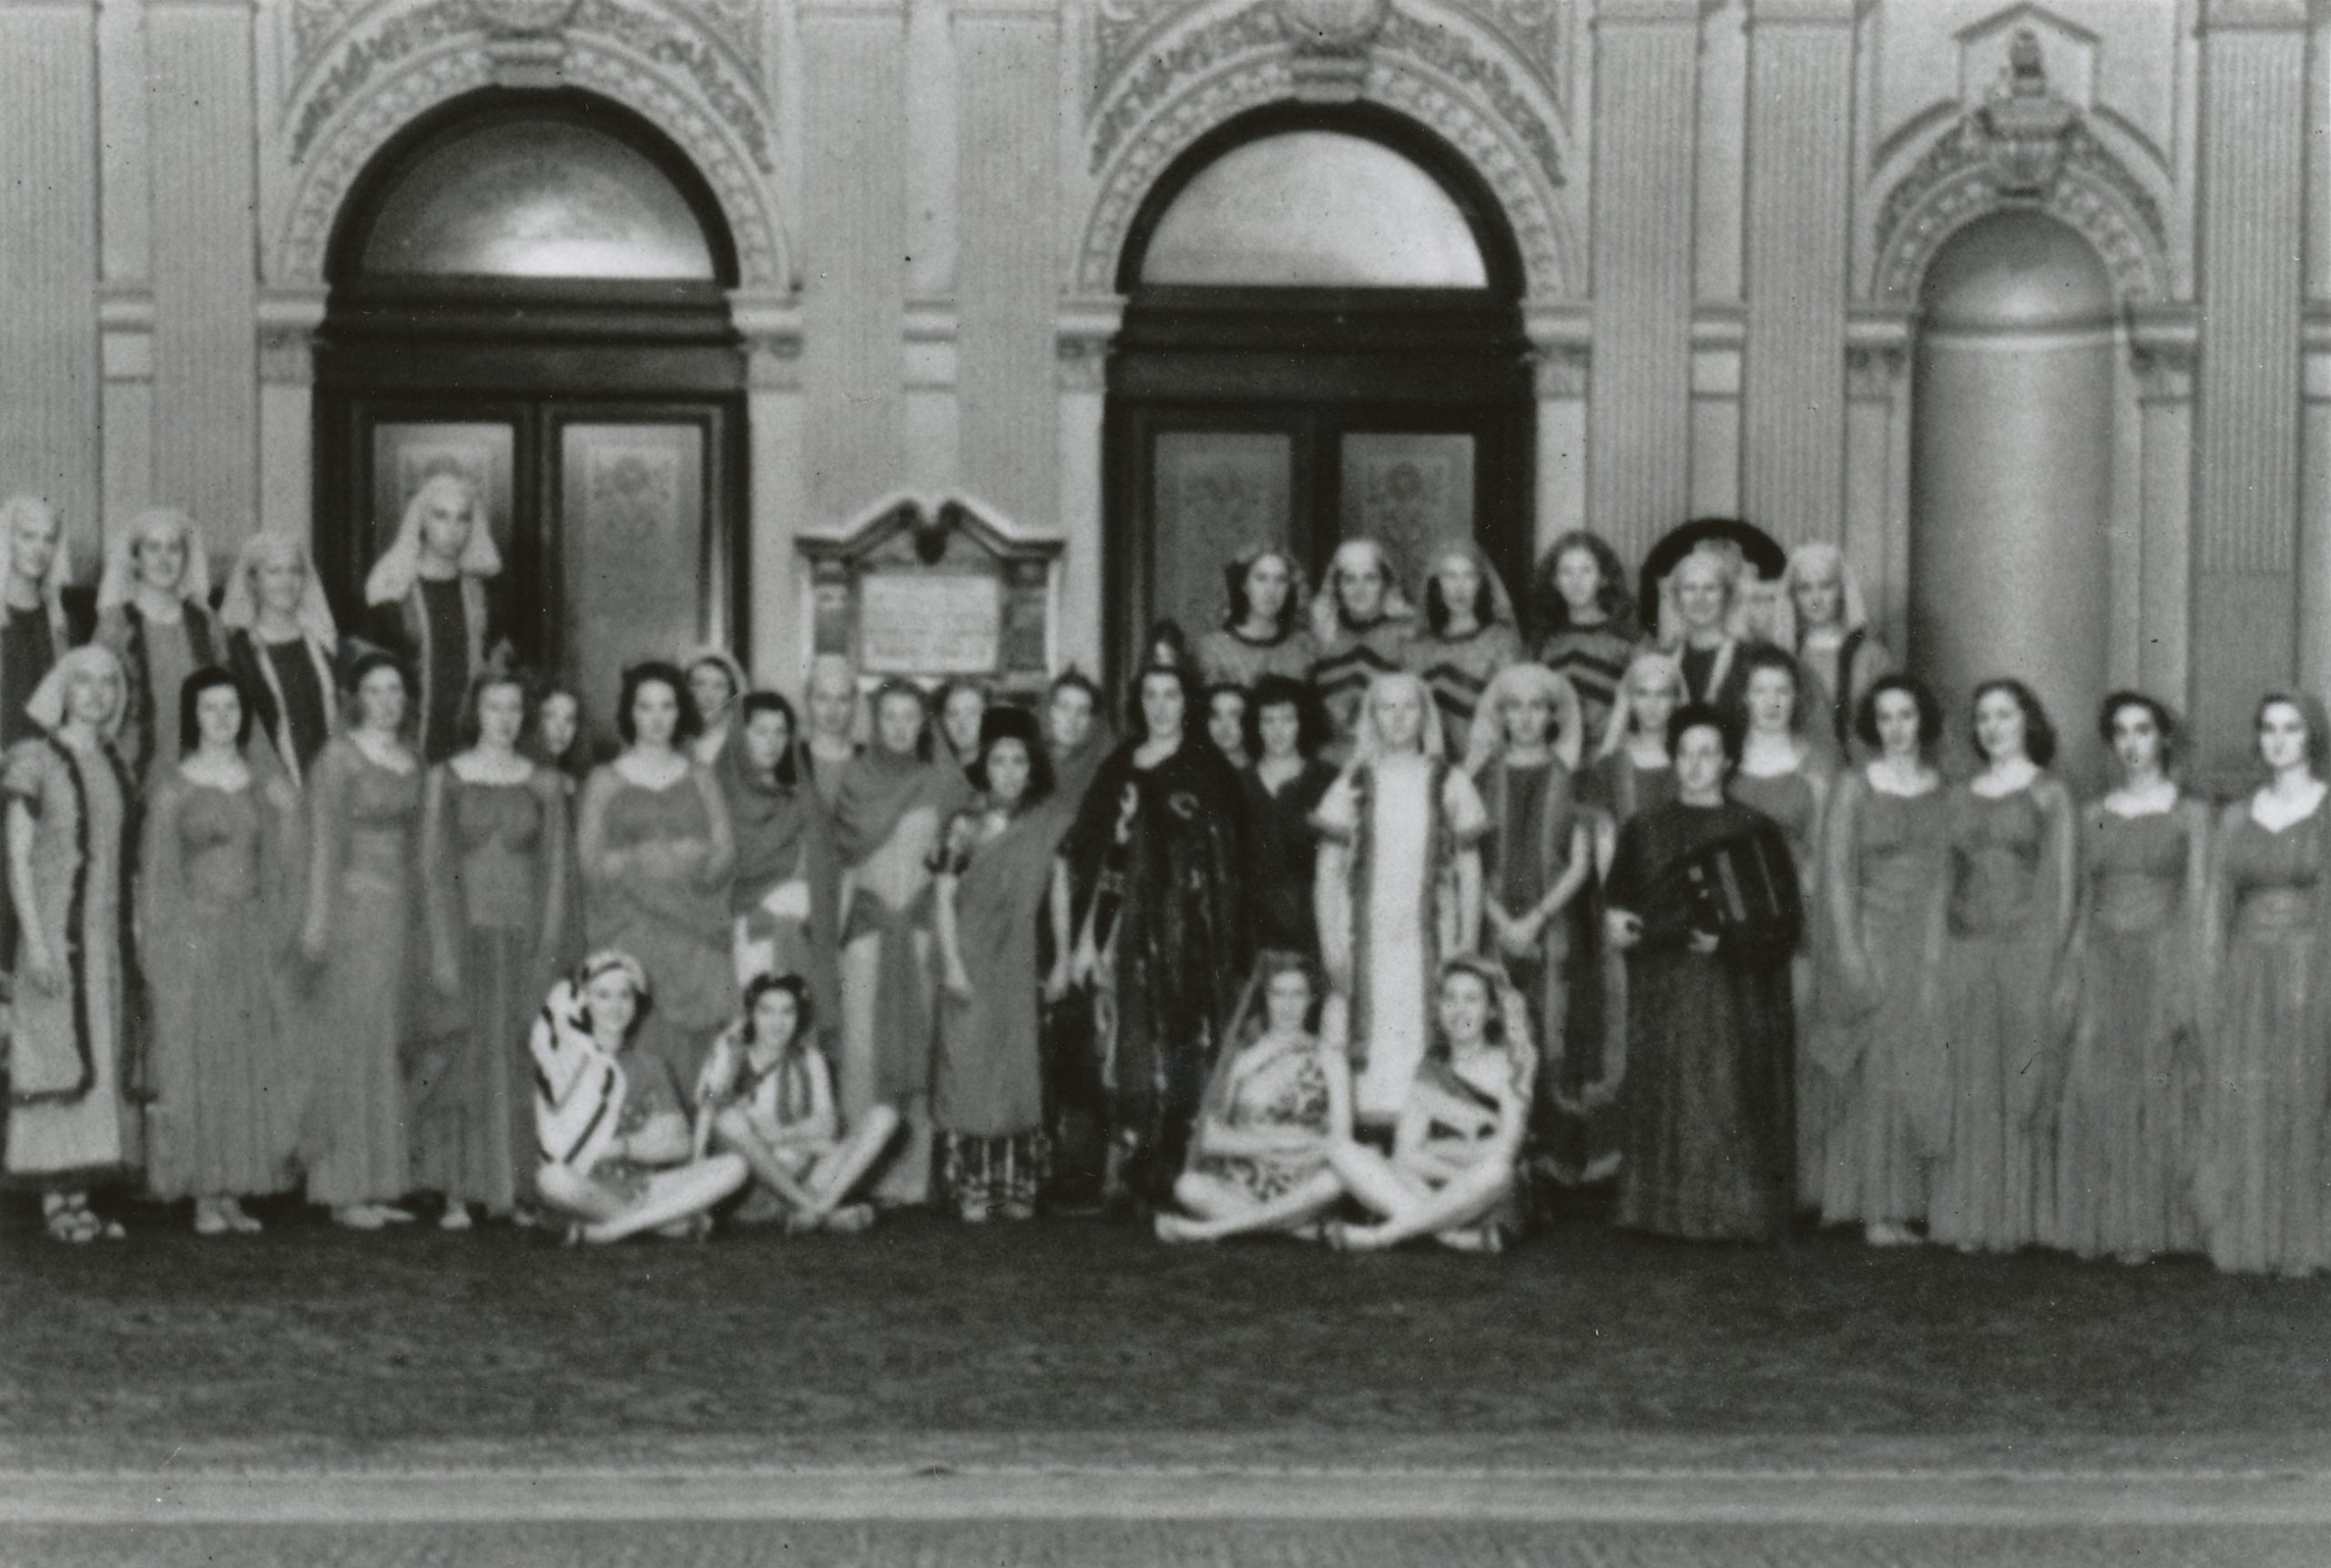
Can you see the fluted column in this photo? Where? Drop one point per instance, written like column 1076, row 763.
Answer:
column 1008, row 63
column 126, row 247
column 2315, row 494
column 853, row 239
column 288, row 320
column 2163, row 354
column 2252, row 227
column 1561, row 374
column 206, row 283
column 1800, row 90
column 1877, row 538
column 1646, row 55
column 48, row 258
column 777, row 423
column 1082, row 337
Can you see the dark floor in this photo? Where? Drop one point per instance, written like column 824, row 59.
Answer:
column 312, row 1341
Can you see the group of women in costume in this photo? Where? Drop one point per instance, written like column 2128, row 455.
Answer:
column 1372, row 926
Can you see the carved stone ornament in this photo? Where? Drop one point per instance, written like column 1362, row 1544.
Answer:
column 524, row 17
column 1332, row 27
column 2025, row 121
column 2024, row 146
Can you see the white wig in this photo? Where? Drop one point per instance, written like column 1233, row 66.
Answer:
column 1488, row 740
column 47, row 707
column 1368, row 742
column 393, row 573
column 240, row 609
column 1623, row 711
column 1808, row 563
column 1356, row 555
column 18, row 509
column 120, row 579
column 1730, row 569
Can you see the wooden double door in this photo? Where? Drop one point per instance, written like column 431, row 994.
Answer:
column 616, row 517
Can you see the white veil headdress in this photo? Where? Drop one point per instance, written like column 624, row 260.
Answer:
column 16, row 509
column 1487, row 742
column 240, row 609
column 1621, row 720
column 1818, row 559
column 392, row 578
column 120, row 579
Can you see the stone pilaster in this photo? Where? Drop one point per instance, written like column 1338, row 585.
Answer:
column 49, row 255
column 1800, row 145
column 1081, row 337
column 206, row 282
column 2162, row 344
column 2246, row 436
column 1563, row 368
column 853, row 240
column 776, row 428
column 1647, row 62
column 1008, row 63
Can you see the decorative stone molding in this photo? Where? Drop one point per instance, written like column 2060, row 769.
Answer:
column 1561, row 351
column 126, row 333
column 770, row 325
column 2024, row 146
column 315, row 26
column 2164, row 345
column 288, row 320
column 438, row 51
column 1874, row 375
column 1083, row 334
column 1241, row 60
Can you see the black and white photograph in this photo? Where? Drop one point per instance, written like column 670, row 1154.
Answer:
column 1313, row 783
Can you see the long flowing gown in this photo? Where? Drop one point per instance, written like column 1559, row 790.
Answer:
column 1163, row 848
column 1404, row 820
column 363, row 836
column 495, row 855
column 2260, row 1188
column 1709, row 1151
column 74, row 1071
column 987, row 1083
column 656, row 863
column 218, row 892
column 1878, row 1038
column 2131, row 1107
column 888, row 813
column 1994, row 1186
column 1792, row 800
column 1533, row 817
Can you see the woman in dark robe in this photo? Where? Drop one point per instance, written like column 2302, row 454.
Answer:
column 1283, row 786
column 426, row 601
column 1166, row 930
column 1077, row 739
column 282, row 645
column 1703, row 902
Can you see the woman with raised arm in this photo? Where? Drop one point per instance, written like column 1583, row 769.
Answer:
column 2013, row 878
column 1878, row 1040
column 2262, row 1166
column 657, row 852
column 1456, row 1149
column 283, row 647
column 1399, row 887
column 1469, row 633
column 1825, row 624
column 426, row 602
column 718, row 683
column 1265, row 631
column 1163, row 932
column 219, row 889
column 767, row 1096
column 618, row 1156
column 894, row 802
column 363, row 844
column 2130, row 1114
column 1703, row 902
column 1785, row 773
column 1360, row 622
column 1537, row 870
column 997, row 871
column 1591, row 630
column 74, row 1078
column 154, row 613
column 494, row 840
column 1280, row 1102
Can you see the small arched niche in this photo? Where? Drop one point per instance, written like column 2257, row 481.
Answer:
column 2012, row 466
column 1318, row 208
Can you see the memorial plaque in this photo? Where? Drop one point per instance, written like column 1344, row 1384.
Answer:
column 935, row 588
column 929, row 623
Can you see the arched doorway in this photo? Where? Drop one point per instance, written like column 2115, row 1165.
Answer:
column 530, row 288
column 2012, row 467
column 1322, row 338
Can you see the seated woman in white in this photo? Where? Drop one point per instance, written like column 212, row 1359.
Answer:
column 1461, row 1126
column 766, row 1097
column 614, row 1130
column 1278, row 1102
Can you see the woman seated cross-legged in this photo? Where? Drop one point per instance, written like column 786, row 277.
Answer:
column 1454, row 1149
column 1280, row 1102
column 766, row 1097
column 616, row 1156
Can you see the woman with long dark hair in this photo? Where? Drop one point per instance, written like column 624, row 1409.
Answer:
column 1265, row 631
column 1468, row 633
column 1588, row 619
